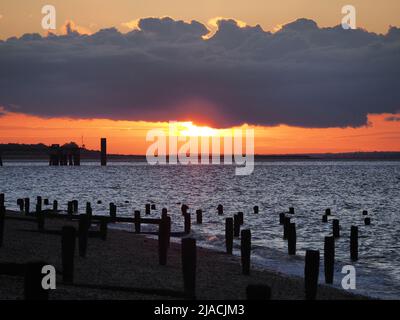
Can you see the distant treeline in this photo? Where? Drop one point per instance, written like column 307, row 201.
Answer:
column 41, row 151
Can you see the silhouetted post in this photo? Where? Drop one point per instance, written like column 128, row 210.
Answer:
column 75, row 206
column 83, row 234
column 329, row 259
column 40, row 220
column 164, row 212
column 33, row 289
column 147, row 211
column 55, row 206
column 103, row 152
column 291, row 210
column 163, row 239
column 187, row 223
column 236, row 226
column 311, row 273
column 199, row 216
column 229, row 235
column 354, row 243
column 286, row 223
column 38, row 204
column 2, row 218
column 335, row 228
column 240, row 217
column 189, row 257
column 89, row 213
column 281, row 218
column 153, row 207
column 258, row 292
column 68, row 252
column 367, row 221
column 70, row 208
column 103, row 228
column 365, row 212
column 324, row 218
column 220, row 209
column 20, row 203
column 245, row 250
column 184, row 209
column 328, row 212
column 255, row 209
column 137, row 221
column 46, row 202
column 292, row 239
column 113, row 211
column 27, row 205
column 2, row 199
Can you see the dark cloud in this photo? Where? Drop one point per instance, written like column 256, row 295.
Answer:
column 301, row 75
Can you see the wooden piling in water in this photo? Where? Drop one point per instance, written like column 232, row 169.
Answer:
column 286, row 223
column 188, row 223
column 164, row 230
column 33, row 289
column 189, row 261
column 258, row 292
column 328, row 212
column 68, row 252
column 236, row 225
column 367, row 221
column 147, row 209
column 291, row 210
column 365, row 212
column 103, row 151
column 137, row 221
column 311, row 273
column 199, row 216
column 2, row 201
column 220, row 209
column 292, row 239
column 335, row 228
column 20, row 203
column 27, row 206
column 70, row 208
column 46, row 202
column 329, row 259
column 245, row 250
column 153, row 207
column 255, row 209
column 75, row 206
column 113, row 211
column 184, row 209
column 55, row 206
column 354, row 243
column 83, row 232
column 229, row 235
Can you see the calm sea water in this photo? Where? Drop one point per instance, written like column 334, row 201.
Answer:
column 311, row 187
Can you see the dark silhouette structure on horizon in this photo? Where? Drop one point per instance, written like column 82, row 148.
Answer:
column 103, row 153
column 68, row 154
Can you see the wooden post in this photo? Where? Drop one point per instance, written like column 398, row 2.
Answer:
column 103, row 152
column 75, row 206
column 286, row 223
column 2, row 219
column 229, row 235
column 240, row 217
column 147, row 211
column 335, row 228
column 184, row 209
column 328, row 212
column 367, row 221
column 329, row 259
column 39, row 201
column 83, row 234
column 55, row 206
column 258, row 292
column 256, row 209
column 2, row 199
column 311, row 273
column 245, row 250
column 163, row 239
column 189, row 257
column 291, row 210
column 113, row 211
column 292, row 239
column 137, row 221
column 153, row 207
column 236, row 226
column 281, row 218
column 103, row 228
column 20, row 203
column 354, row 243
column 70, row 209
column 46, row 202
column 26, row 205
column 199, row 216
column 365, row 212
column 164, row 212
column 33, row 277
column 187, row 223
column 324, row 218
column 220, row 209
column 68, row 252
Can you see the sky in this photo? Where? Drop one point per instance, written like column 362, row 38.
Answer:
column 120, row 68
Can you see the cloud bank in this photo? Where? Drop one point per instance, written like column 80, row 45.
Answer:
column 301, row 75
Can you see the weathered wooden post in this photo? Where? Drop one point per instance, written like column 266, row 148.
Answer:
column 103, row 228
column 188, row 223
column 258, row 292
column 2, row 219
column 33, row 289
column 137, row 221
column 113, row 211
column 281, row 218
column 20, row 203
column 153, row 207
column 328, row 212
column 236, row 226
column 292, row 239
column 68, row 252
column 324, row 218
column 255, row 209
column 329, row 259
column 311, row 273
column 354, row 243
column 286, row 223
column 55, row 206
column 184, row 209
column 164, row 212
column 220, row 209
column 229, row 235
column 199, row 216
column 147, row 209
column 367, row 221
column 75, row 206
column 27, row 205
column 83, row 232
column 103, row 152
column 335, row 228
column 240, row 217
column 164, row 229
column 70, row 208
column 245, row 250
column 365, row 212
column 291, row 210
column 189, row 257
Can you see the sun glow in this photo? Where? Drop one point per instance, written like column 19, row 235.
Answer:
column 191, row 130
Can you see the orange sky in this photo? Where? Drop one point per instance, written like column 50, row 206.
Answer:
column 129, row 137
